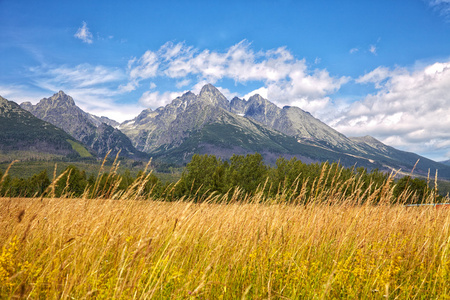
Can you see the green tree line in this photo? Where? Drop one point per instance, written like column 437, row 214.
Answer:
column 206, row 174
column 291, row 179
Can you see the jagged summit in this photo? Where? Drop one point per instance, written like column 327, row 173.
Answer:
column 60, row 98
column 257, row 98
column 209, row 89
column 209, row 94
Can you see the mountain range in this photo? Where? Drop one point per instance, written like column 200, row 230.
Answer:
column 208, row 123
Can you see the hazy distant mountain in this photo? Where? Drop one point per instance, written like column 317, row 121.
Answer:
column 446, row 162
column 21, row 131
column 94, row 132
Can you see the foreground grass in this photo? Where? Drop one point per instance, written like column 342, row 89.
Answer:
column 85, row 249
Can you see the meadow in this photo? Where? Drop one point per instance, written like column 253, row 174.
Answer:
column 331, row 246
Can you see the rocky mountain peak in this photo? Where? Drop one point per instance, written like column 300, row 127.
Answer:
column 26, row 104
column 188, row 94
column 257, row 98
column 209, row 89
column 62, row 97
column 238, row 106
column 256, row 103
column 97, row 133
column 211, row 95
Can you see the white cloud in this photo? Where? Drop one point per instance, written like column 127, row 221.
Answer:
column 147, row 66
column 410, row 109
column 20, row 93
column 262, row 91
column 129, row 87
column 101, row 102
column 287, row 80
column 443, row 6
column 353, row 50
column 157, row 99
column 81, row 76
column 84, row 34
column 373, row 49
column 183, row 83
column 94, row 88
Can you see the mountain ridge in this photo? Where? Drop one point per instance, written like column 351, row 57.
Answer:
column 96, row 133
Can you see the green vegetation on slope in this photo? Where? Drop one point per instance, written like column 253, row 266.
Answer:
column 81, row 150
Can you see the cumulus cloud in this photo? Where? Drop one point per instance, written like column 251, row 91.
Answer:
column 288, row 80
column 373, row 49
column 84, row 34
column 409, row 110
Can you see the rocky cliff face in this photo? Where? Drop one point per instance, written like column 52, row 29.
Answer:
column 61, row 111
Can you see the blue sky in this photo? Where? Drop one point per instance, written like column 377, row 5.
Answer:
column 380, row 68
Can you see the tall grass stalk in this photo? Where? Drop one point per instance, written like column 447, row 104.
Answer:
column 334, row 246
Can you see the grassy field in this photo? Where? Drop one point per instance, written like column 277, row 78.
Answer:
column 128, row 249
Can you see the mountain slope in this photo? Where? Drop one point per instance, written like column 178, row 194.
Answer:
column 94, row 132
column 446, row 162
column 21, row 131
column 407, row 161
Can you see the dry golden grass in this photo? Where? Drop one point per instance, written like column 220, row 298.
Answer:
column 111, row 249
